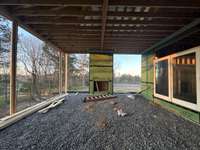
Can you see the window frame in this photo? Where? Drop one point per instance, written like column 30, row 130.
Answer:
column 170, row 98
column 167, row 98
column 181, row 102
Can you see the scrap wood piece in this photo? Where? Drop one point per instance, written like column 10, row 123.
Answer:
column 89, row 107
column 98, row 98
column 113, row 103
column 131, row 96
column 102, row 121
column 97, row 86
column 52, row 105
column 121, row 113
column 5, row 122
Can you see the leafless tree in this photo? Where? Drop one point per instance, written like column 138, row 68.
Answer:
column 82, row 64
column 5, row 35
column 30, row 55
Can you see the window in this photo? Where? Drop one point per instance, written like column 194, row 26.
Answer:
column 5, row 45
column 161, row 78
column 184, row 78
column 177, row 78
column 37, row 70
column 78, row 65
column 127, row 73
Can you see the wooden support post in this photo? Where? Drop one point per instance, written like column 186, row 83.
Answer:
column 66, row 72
column 13, row 60
column 60, row 72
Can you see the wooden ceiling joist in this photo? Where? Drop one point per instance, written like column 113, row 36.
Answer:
column 104, row 19
column 96, row 23
column 111, row 36
column 106, row 39
column 51, row 2
column 81, row 13
column 4, row 12
column 191, row 28
column 113, row 30
column 123, row 25
column 135, row 3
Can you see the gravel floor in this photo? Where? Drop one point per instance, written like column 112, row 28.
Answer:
column 78, row 126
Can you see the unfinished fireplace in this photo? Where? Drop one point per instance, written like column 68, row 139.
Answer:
column 101, row 74
column 100, row 86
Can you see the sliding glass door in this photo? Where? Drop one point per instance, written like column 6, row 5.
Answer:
column 177, row 78
column 185, row 78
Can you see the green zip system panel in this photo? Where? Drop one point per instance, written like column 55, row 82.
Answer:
column 101, row 74
column 147, row 78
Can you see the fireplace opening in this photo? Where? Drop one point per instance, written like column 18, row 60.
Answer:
column 100, row 86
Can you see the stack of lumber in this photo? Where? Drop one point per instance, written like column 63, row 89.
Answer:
column 7, row 121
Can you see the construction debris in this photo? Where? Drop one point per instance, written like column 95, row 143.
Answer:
column 7, row 121
column 102, row 121
column 98, row 98
column 89, row 107
column 131, row 96
column 52, row 105
column 121, row 113
column 118, row 109
column 113, row 103
column 76, row 93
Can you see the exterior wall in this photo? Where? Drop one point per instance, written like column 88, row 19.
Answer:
column 147, row 86
column 101, row 69
column 147, row 76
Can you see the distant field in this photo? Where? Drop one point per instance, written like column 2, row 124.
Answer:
column 125, row 88
column 79, row 88
column 118, row 88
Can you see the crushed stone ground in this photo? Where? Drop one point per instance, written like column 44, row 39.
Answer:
column 76, row 126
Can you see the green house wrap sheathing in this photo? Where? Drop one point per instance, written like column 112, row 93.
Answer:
column 147, row 77
column 101, row 69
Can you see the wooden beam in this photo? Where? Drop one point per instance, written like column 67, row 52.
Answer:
column 75, row 28
column 81, row 13
column 108, row 39
column 60, row 72
column 157, row 3
column 114, row 30
column 133, row 37
column 106, row 42
column 104, row 19
column 61, row 3
column 124, row 50
column 135, row 3
column 75, row 22
column 108, row 35
column 66, row 72
column 9, row 120
column 10, row 16
column 184, row 32
column 89, row 46
column 13, row 66
column 77, row 42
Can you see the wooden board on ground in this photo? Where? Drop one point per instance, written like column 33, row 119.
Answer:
column 98, row 98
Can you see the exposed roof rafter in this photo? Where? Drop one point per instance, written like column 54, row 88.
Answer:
column 132, row 25
column 104, row 19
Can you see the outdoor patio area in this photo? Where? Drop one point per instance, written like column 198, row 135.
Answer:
column 96, row 125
